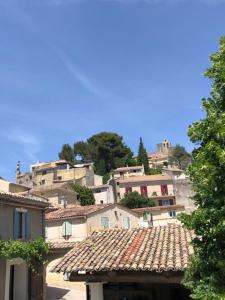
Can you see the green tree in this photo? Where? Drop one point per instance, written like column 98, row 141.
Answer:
column 135, row 200
column 205, row 275
column 67, row 153
column 107, row 150
column 180, row 157
column 85, row 195
column 142, row 158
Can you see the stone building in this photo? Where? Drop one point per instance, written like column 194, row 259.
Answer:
column 21, row 218
column 49, row 173
column 162, row 154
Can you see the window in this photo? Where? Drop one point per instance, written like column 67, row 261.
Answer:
column 144, row 191
column 105, row 222
column 164, row 189
column 59, row 177
column 20, row 224
column 147, row 217
column 101, row 201
column 128, row 189
column 66, row 229
column 172, row 214
column 44, row 172
column 42, row 182
column 126, row 223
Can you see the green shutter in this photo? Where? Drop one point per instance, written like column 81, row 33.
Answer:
column 126, row 222
column 27, row 225
column 68, row 228
column 64, row 228
column 105, row 222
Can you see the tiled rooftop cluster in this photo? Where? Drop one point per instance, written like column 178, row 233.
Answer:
column 74, row 211
column 164, row 248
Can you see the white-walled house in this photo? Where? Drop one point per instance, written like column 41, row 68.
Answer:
column 103, row 194
column 76, row 222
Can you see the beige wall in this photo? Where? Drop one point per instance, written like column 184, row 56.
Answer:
column 54, row 230
column 81, row 227
column 161, row 217
column 6, row 221
column 151, row 187
column 55, row 196
column 115, row 215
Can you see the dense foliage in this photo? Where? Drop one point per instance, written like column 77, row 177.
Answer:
column 180, row 157
column 205, row 275
column 67, row 153
column 142, row 158
column 85, row 195
column 107, row 150
column 33, row 252
column 135, row 200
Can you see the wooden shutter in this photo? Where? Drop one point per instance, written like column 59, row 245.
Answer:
column 27, row 225
column 64, row 228
column 126, row 222
column 105, row 222
column 171, row 201
column 15, row 224
column 160, row 202
column 68, row 228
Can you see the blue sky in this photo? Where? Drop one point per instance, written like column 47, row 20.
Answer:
column 72, row 68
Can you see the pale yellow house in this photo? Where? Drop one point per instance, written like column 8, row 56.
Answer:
column 21, row 218
column 76, row 223
column 157, row 187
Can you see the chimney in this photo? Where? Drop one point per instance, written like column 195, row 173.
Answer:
column 18, row 168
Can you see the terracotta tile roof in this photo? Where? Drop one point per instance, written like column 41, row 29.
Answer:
column 74, row 211
column 158, row 208
column 24, row 197
column 146, row 178
column 128, row 168
column 156, row 249
column 61, row 245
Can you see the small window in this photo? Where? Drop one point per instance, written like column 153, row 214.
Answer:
column 101, row 201
column 20, row 224
column 105, row 222
column 42, row 182
column 126, row 223
column 44, row 172
column 172, row 214
column 66, row 229
column 59, row 177
column 165, row 202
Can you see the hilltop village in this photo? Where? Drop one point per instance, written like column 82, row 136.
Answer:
column 44, row 203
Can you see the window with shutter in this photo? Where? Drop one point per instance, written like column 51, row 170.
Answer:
column 66, row 228
column 164, row 189
column 144, row 191
column 128, row 189
column 20, row 224
column 126, row 222
column 105, row 222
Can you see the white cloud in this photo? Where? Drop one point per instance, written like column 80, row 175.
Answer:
column 80, row 76
column 29, row 143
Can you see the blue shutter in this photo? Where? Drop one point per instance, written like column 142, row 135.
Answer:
column 15, row 224
column 105, row 222
column 24, row 225
column 27, row 225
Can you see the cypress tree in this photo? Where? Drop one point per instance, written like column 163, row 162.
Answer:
column 142, row 158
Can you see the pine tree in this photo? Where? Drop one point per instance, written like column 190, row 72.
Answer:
column 142, row 158
column 67, row 153
column 205, row 275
